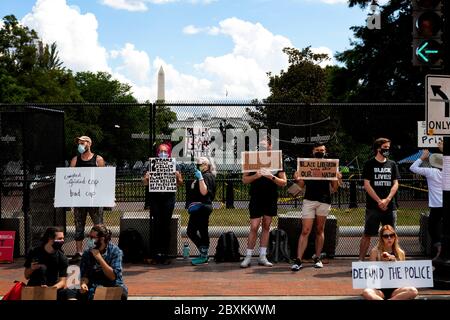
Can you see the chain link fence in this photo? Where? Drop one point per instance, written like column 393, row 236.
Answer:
column 37, row 139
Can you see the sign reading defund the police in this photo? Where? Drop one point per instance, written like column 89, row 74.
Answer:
column 317, row 169
column 162, row 175
column 85, row 187
column 437, row 91
column 379, row 274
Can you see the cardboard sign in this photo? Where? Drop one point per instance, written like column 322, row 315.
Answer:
column 424, row 140
column 7, row 246
column 254, row 160
column 39, row 293
column 317, row 169
column 162, row 175
column 85, row 187
column 379, row 274
column 73, row 277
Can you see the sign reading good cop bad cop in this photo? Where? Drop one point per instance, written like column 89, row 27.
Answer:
column 85, row 187
column 373, row 274
column 162, row 175
column 317, row 169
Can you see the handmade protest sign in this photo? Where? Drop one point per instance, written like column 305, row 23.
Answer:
column 7, row 246
column 378, row 274
column 85, row 187
column 162, row 175
column 317, row 169
column 254, row 160
column 197, row 141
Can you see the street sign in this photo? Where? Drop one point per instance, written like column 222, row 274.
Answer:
column 437, row 115
column 424, row 140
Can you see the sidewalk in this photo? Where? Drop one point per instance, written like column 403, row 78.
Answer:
column 181, row 280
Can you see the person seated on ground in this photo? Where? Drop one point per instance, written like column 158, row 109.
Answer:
column 46, row 265
column 388, row 249
column 101, row 264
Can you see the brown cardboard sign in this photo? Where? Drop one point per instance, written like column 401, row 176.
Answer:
column 317, row 169
column 254, row 160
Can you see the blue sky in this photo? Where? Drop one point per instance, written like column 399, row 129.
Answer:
column 206, row 47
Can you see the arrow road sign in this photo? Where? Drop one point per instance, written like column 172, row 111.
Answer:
column 437, row 91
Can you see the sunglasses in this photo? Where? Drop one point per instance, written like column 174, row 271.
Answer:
column 388, row 235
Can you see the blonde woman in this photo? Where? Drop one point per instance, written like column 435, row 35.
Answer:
column 388, row 249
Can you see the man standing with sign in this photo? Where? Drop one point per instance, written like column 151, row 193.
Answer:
column 381, row 184
column 85, row 159
column 262, row 206
column 316, row 205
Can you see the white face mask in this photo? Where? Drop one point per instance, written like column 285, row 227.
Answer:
column 81, row 148
column 91, row 243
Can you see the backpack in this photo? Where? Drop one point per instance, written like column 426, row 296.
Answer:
column 227, row 249
column 132, row 245
column 278, row 249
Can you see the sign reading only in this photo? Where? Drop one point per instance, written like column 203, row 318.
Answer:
column 437, row 93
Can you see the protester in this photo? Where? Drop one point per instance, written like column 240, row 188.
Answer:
column 434, row 182
column 263, row 206
column 316, row 207
column 201, row 193
column 46, row 265
column 161, row 206
column 85, row 159
column 101, row 264
column 388, row 249
column 381, row 184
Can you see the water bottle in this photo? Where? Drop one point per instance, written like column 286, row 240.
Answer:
column 186, row 250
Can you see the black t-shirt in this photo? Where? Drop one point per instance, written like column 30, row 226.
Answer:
column 381, row 176
column 56, row 263
column 318, row 190
column 193, row 190
column 263, row 188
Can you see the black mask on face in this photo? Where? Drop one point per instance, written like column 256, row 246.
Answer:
column 385, row 152
column 57, row 244
column 319, row 154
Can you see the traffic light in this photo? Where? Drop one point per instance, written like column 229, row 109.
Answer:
column 428, row 26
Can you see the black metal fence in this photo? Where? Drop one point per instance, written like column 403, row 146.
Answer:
column 37, row 139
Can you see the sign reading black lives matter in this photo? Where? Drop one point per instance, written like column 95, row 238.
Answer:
column 162, row 175
column 85, row 187
column 197, row 141
column 396, row 274
column 317, row 169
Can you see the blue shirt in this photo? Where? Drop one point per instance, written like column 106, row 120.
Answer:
column 92, row 270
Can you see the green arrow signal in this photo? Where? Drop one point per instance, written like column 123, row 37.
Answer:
column 421, row 52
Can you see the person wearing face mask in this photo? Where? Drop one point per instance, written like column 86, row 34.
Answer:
column 263, row 206
column 161, row 205
column 200, row 196
column 85, row 158
column 380, row 176
column 316, row 206
column 46, row 265
column 101, row 264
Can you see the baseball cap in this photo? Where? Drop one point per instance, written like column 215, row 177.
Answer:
column 83, row 138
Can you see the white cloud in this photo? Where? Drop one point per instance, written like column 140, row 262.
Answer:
column 141, row 5
column 136, row 64
column 191, row 29
column 75, row 34
column 327, row 51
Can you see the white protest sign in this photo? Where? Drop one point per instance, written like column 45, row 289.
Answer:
column 162, row 175
column 85, row 187
column 197, row 141
column 73, row 277
column 317, row 169
column 379, row 274
column 424, row 140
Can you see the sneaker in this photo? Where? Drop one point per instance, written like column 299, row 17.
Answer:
column 246, row 262
column 199, row 261
column 297, row 265
column 318, row 263
column 264, row 262
column 75, row 259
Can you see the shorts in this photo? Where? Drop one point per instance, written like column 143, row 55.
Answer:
column 387, row 292
column 311, row 209
column 258, row 209
column 374, row 217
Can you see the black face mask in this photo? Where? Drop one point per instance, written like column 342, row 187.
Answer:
column 57, row 244
column 319, row 155
column 385, row 152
